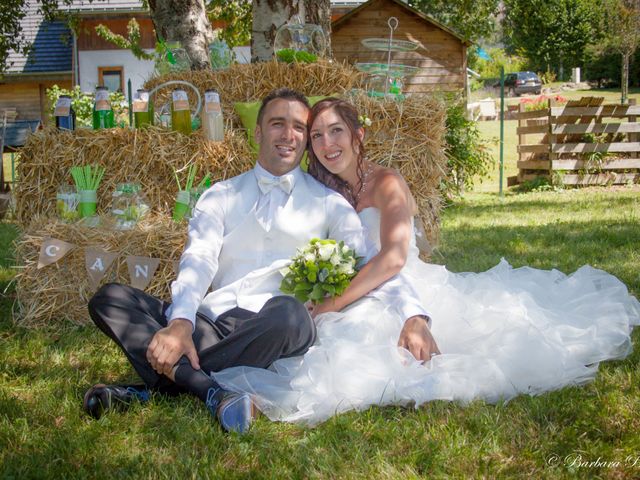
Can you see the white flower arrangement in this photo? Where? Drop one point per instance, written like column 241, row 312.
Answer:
column 320, row 269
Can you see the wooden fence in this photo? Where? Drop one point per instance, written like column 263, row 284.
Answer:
column 584, row 142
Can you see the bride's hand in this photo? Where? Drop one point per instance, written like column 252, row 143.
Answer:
column 416, row 337
column 328, row 305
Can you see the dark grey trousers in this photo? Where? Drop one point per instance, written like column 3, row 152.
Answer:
column 282, row 328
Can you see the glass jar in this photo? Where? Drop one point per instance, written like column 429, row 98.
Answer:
column 142, row 108
column 299, row 42
column 67, row 200
column 173, row 58
column 102, row 112
column 220, row 55
column 128, row 205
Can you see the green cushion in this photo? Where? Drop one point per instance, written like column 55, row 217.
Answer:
column 248, row 113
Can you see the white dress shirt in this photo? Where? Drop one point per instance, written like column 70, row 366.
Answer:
column 239, row 239
column 230, row 251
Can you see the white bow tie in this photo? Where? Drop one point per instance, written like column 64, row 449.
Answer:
column 267, row 184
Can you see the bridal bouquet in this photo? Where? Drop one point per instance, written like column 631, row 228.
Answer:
column 320, row 269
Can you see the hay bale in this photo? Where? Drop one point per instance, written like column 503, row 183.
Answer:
column 62, row 290
column 250, row 82
column 146, row 156
column 408, row 136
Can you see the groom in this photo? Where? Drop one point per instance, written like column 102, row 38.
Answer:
column 240, row 227
column 242, row 231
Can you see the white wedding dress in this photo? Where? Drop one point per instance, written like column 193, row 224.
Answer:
column 503, row 332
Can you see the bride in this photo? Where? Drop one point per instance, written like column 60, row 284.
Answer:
column 500, row 333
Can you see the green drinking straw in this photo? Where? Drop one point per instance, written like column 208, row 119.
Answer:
column 87, row 177
column 191, row 175
column 205, row 181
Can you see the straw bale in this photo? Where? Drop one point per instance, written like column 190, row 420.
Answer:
column 407, row 135
column 251, row 82
column 62, row 290
column 146, row 156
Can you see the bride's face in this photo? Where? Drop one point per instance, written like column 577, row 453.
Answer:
column 333, row 144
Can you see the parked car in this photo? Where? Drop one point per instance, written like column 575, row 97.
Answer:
column 521, row 82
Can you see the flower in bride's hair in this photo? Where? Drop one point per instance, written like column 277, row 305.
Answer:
column 323, row 268
column 364, row 121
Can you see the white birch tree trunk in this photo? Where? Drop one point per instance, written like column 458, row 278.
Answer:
column 268, row 16
column 184, row 21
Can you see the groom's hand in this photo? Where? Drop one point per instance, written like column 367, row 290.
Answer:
column 416, row 337
column 171, row 343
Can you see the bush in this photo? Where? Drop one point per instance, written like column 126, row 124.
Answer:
column 468, row 156
column 82, row 104
column 499, row 58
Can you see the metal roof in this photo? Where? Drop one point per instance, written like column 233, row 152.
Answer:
column 16, row 132
column 52, row 45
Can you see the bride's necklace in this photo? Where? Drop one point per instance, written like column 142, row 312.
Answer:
column 363, row 187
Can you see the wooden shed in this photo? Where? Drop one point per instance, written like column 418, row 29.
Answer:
column 441, row 55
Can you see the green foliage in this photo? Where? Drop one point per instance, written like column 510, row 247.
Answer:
column 237, row 17
column 538, row 184
column 490, row 69
column 132, row 42
column 12, row 38
column 288, row 55
column 621, row 25
column 473, row 20
column 82, row 104
column 468, row 155
column 550, row 33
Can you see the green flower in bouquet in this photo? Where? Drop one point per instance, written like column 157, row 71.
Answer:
column 324, row 268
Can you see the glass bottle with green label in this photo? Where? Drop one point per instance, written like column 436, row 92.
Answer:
column 142, row 108
column 102, row 112
column 180, row 112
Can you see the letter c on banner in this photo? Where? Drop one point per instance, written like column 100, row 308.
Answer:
column 51, row 250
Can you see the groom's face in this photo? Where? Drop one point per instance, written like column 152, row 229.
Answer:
column 282, row 135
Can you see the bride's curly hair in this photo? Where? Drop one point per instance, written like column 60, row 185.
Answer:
column 349, row 116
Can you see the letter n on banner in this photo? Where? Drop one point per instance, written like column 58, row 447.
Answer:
column 141, row 270
column 53, row 250
column 97, row 262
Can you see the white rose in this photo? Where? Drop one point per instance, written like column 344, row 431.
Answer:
column 309, row 257
column 325, row 251
column 345, row 268
column 335, row 259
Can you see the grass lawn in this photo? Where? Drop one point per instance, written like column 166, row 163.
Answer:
column 43, row 374
column 611, row 95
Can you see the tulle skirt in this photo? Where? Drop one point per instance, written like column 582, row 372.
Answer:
column 503, row 332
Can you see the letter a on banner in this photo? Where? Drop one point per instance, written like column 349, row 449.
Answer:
column 97, row 262
column 53, row 250
column 141, row 270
